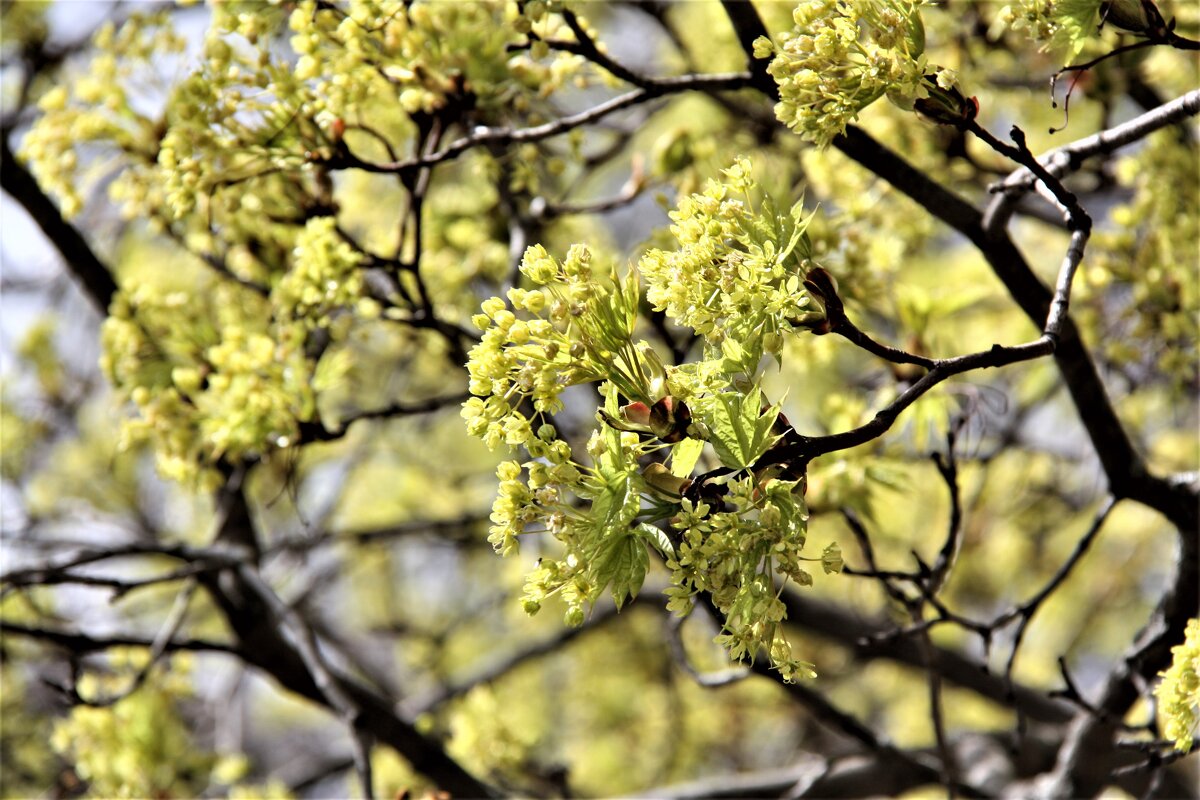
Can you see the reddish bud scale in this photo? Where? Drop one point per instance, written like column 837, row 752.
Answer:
column 636, row 414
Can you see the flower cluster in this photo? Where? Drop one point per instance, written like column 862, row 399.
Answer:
column 209, row 381
column 140, row 746
column 1067, row 26
column 591, row 510
column 95, row 109
column 1179, row 693
column 440, row 56
column 575, row 329
column 736, row 555
column 736, row 277
column 324, row 277
column 842, row 56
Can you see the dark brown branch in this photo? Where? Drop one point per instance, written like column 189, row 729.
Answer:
column 249, row 613
column 419, row 704
column 837, row 720
column 870, row 641
column 800, row 450
column 211, row 557
column 1026, row 611
column 748, row 27
column 584, row 46
column 82, row 644
column 947, row 467
column 834, row 718
column 461, row 529
column 1124, row 467
column 492, row 136
column 1092, row 734
column 215, row 263
column 870, row 776
column 333, row 693
column 119, row 586
column 316, row 432
column 1061, row 161
column 158, row 648
column 821, row 285
column 1077, row 218
column 80, row 259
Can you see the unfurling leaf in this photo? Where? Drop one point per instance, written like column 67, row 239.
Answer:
column 620, row 559
column 741, row 432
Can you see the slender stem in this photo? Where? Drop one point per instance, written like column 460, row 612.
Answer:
column 487, row 136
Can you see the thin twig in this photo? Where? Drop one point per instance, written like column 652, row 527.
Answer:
column 331, row 689
column 709, row 680
column 1063, row 160
column 83, row 644
column 158, row 648
column 504, row 135
column 947, row 467
column 316, row 432
column 803, row 449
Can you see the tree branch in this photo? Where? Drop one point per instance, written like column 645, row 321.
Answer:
column 81, row 261
column 799, row 450
column 250, row 615
column 82, row 644
column 343, row 159
column 423, row 703
column 869, row 639
column 1123, row 466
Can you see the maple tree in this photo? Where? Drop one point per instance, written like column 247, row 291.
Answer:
column 544, row 398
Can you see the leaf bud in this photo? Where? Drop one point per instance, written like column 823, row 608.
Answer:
column 669, row 419
column 946, row 105
column 1130, row 15
column 337, row 129
column 659, row 478
column 636, row 414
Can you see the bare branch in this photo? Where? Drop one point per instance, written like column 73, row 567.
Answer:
column 331, row 689
column 947, row 467
column 1061, row 161
column 316, row 432
column 492, row 136
column 82, row 644
column 708, row 680
column 158, row 648
column 799, row 450
column 419, row 704
column 80, row 259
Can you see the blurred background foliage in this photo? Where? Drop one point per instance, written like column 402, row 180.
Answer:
column 196, row 145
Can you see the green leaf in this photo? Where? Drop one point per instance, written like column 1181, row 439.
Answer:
column 740, row 433
column 915, row 32
column 731, row 349
column 789, row 499
column 618, row 502
column 620, row 560
column 657, row 538
column 684, row 457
